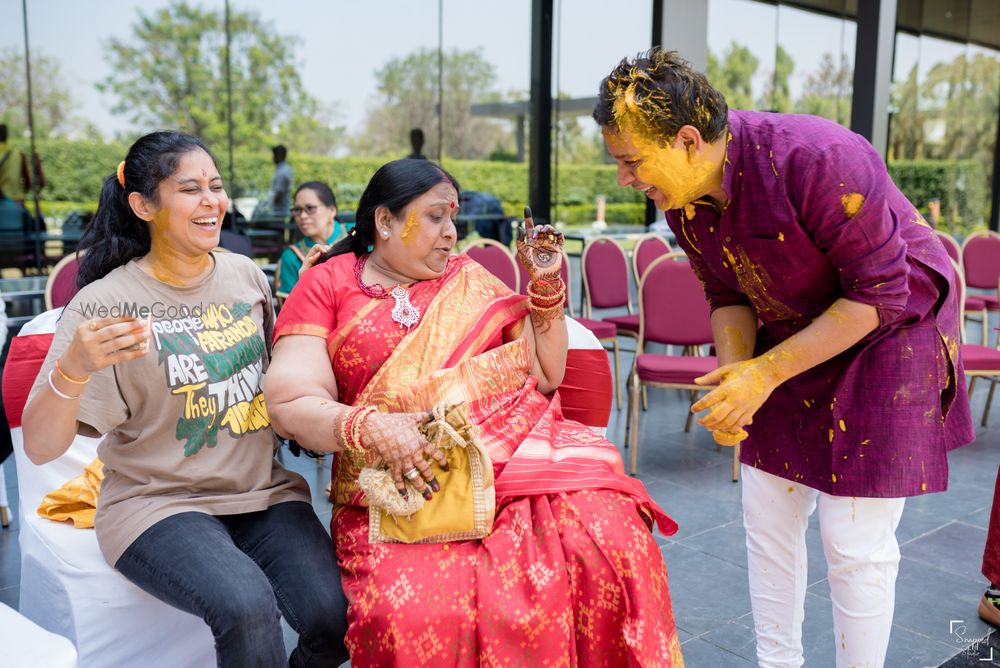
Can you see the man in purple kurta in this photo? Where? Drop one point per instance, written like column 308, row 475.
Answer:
column 851, row 390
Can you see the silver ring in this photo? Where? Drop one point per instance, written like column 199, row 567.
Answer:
column 412, row 474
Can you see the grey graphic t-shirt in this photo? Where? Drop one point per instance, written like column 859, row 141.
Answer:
column 185, row 427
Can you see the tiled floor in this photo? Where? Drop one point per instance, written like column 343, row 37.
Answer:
column 941, row 538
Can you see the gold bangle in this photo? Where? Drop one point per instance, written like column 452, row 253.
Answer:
column 68, row 379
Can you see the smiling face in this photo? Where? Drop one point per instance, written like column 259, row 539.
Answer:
column 187, row 217
column 421, row 238
column 671, row 176
column 315, row 219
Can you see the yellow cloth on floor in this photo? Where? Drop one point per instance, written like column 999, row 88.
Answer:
column 77, row 499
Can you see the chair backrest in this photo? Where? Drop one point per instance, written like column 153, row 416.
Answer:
column 27, row 352
column 587, row 389
column 981, row 259
column 61, row 283
column 960, row 282
column 605, row 275
column 672, row 305
column 564, row 271
column 950, row 245
column 648, row 247
column 496, row 259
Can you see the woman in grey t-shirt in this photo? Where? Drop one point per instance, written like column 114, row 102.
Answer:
column 162, row 353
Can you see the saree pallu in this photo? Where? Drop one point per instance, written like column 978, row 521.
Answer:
column 570, row 575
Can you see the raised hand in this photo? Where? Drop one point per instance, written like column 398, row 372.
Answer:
column 539, row 249
column 103, row 342
column 403, row 449
column 313, row 256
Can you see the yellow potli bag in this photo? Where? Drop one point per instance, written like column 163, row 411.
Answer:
column 465, row 507
column 76, row 500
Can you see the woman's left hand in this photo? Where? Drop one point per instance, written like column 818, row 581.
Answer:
column 313, row 256
column 539, row 248
column 743, row 387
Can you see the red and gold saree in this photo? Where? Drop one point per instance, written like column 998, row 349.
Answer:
column 570, row 575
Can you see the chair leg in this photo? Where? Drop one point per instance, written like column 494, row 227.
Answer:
column 989, row 400
column 634, row 417
column 618, row 394
column 645, row 399
column 687, row 422
column 736, row 463
column 986, row 327
column 628, row 408
column 972, row 385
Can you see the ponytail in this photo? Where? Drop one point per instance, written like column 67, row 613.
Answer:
column 116, row 235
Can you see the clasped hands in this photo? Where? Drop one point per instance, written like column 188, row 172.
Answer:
column 743, row 387
column 404, row 450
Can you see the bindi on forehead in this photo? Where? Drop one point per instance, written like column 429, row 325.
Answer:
column 451, row 204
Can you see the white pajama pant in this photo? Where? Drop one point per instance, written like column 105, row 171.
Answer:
column 859, row 540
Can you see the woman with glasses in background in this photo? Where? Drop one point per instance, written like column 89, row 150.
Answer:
column 314, row 211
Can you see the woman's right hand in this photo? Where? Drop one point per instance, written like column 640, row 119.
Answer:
column 395, row 438
column 103, row 342
column 313, row 256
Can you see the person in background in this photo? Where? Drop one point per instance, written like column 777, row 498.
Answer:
column 315, row 214
column 417, row 144
column 281, row 182
column 851, row 392
column 15, row 174
column 194, row 508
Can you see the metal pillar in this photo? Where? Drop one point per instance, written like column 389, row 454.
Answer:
column 873, row 71
column 540, row 117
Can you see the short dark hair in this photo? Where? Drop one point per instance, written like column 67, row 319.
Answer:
column 656, row 93
column 3, row 132
column 280, row 152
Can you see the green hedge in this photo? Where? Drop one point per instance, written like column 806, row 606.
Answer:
column 959, row 184
column 75, row 172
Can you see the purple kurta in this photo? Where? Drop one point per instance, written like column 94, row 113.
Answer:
column 812, row 217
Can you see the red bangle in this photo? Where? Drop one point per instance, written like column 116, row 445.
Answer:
column 350, row 426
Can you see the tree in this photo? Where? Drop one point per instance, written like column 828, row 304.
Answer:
column 827, row 92
column 171, row 73
column 777, row 93
column 51, row 100
column 407, row 98
column 733, row 77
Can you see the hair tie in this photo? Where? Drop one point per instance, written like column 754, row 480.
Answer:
column 121, row 173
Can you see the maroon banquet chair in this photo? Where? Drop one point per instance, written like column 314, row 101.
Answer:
column 647, row 248
column 981, row 264
column 496, row 259
column 672, row 311
column 605, row 283
column 974, row 304
column 980, row 361
column 605, row 332
column 60, row 286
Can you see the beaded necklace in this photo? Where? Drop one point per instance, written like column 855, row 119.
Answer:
column 403, row 312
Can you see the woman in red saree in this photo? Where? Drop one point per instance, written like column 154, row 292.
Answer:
column 570, row 574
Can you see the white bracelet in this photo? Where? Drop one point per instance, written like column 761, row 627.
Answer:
column 61, row 394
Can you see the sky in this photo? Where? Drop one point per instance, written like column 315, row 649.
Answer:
column 341, row 43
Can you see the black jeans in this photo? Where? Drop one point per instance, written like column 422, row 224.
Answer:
column 237, row 571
